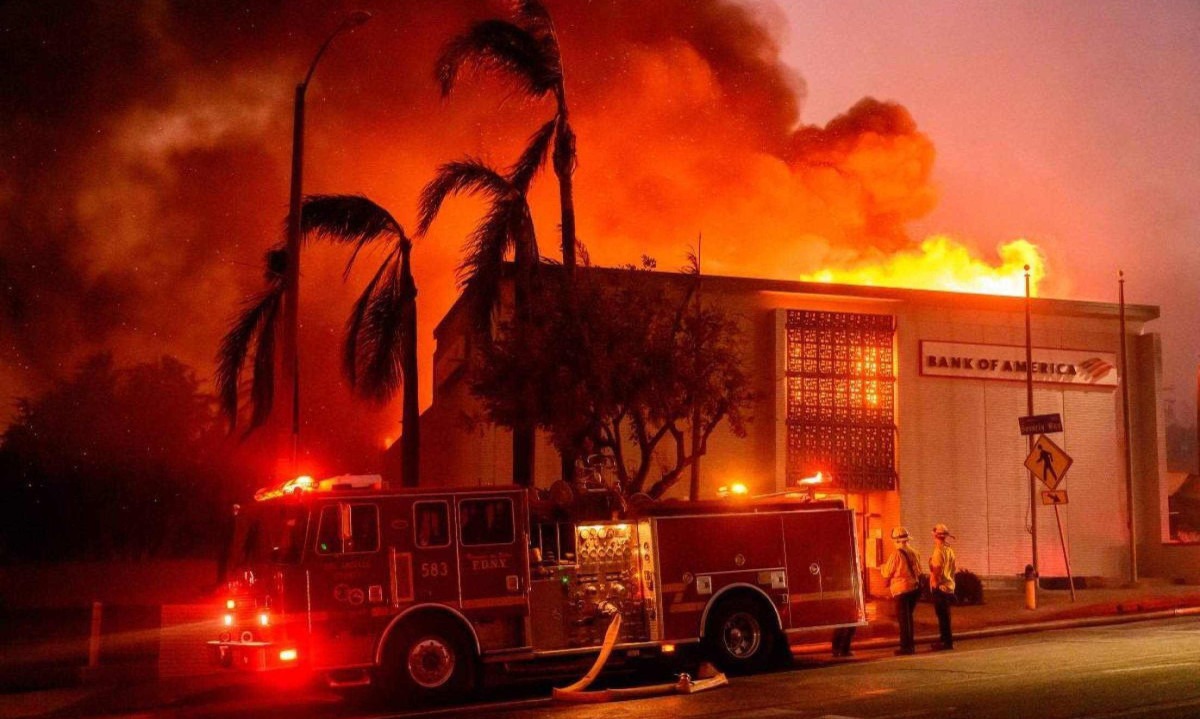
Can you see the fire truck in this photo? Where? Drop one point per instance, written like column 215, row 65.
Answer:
column 418, row 591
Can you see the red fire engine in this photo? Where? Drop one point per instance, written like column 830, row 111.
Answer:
column 419, row 590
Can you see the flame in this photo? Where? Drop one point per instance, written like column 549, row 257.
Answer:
column 943, row 263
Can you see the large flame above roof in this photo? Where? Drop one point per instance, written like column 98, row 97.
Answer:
column 942, row 263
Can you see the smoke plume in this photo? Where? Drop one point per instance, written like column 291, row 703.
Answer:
column 146, row 157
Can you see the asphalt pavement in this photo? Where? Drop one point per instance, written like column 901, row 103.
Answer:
column 1003, row 611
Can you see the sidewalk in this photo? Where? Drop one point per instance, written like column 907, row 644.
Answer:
column 1003, row 613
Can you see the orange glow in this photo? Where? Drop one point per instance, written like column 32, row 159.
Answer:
column 287, row 655
column 230, row 604
column 387, row 442
column 229, row 620
column 943, row 263
column 264, row 619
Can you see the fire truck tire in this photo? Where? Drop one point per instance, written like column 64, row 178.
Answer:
column 429, row 660
column 742, row 636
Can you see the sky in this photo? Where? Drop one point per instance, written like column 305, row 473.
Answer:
column 1075, row 125
column 144, row 159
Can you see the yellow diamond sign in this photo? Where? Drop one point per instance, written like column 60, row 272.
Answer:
column 1048, row 462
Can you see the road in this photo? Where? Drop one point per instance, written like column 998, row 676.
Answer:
column 1142, row 669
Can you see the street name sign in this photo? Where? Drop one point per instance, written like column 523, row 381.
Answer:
column 1040, row 424
column 1056, row 496
column 1048, row 462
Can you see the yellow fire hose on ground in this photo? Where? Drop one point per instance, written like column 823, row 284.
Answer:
column 575, row 692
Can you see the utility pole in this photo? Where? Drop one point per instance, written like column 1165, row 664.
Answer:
column 1133, row 562
column 1029, row 412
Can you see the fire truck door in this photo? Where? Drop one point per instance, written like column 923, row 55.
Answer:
column 348, row 583
column 433, row 576
column 494, row 569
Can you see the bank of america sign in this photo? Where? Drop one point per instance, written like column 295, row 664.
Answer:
column 1007, row 362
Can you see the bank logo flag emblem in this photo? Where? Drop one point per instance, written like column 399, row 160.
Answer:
column 1095, row 369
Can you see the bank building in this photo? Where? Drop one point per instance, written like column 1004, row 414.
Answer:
column 907, row 404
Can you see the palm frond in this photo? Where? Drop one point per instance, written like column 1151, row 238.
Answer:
column 262, row 383
column 350, row 219
column 483, row 262
column 504, row 47
column 533, row 15
column 532, row 160
column 253, row 328
column 354, row 325
column 467, row 176
column 383, row 331
column 390, row 313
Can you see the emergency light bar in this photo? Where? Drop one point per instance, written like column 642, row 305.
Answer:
column 331, row 484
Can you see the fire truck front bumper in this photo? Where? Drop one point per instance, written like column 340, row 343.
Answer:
column 251, row 656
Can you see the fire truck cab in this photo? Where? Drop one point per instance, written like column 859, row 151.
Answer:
column 417, row 590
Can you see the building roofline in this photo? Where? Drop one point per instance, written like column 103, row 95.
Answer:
column 969, row 300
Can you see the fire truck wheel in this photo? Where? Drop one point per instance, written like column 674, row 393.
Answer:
column 741, row 636
column 429, row 660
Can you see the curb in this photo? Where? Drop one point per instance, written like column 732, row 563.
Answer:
column 1118, row 617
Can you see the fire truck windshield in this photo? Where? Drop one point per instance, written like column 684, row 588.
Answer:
column 271, row 532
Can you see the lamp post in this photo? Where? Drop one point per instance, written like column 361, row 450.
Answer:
column 291, row 304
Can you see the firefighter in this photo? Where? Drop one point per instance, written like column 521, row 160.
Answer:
column 903, row 580
column 941, row 584
column 840, row 644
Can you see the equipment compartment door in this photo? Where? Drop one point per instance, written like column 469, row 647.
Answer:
column 822, row 568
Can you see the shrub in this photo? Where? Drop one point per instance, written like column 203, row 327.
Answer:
column 968, row 588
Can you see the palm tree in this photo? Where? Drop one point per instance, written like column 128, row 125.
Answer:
column 506, row 228
column 528, row 51
column 379, row 354
column 254, row 331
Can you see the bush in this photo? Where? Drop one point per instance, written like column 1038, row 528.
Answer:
column 968, row 588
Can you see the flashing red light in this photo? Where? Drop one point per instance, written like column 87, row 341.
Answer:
column 287, row 655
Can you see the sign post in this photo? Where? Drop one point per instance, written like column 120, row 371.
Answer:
column 1049, row 463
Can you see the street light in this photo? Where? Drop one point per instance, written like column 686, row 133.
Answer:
column 291, row 316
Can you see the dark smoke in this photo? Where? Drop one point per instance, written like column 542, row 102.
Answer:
column 144, row 165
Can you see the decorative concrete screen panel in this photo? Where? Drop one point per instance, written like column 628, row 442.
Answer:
column 841, row 399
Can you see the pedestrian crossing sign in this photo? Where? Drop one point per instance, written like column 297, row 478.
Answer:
column 1048, row 462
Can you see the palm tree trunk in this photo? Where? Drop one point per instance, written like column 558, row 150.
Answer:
column 564, row 168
